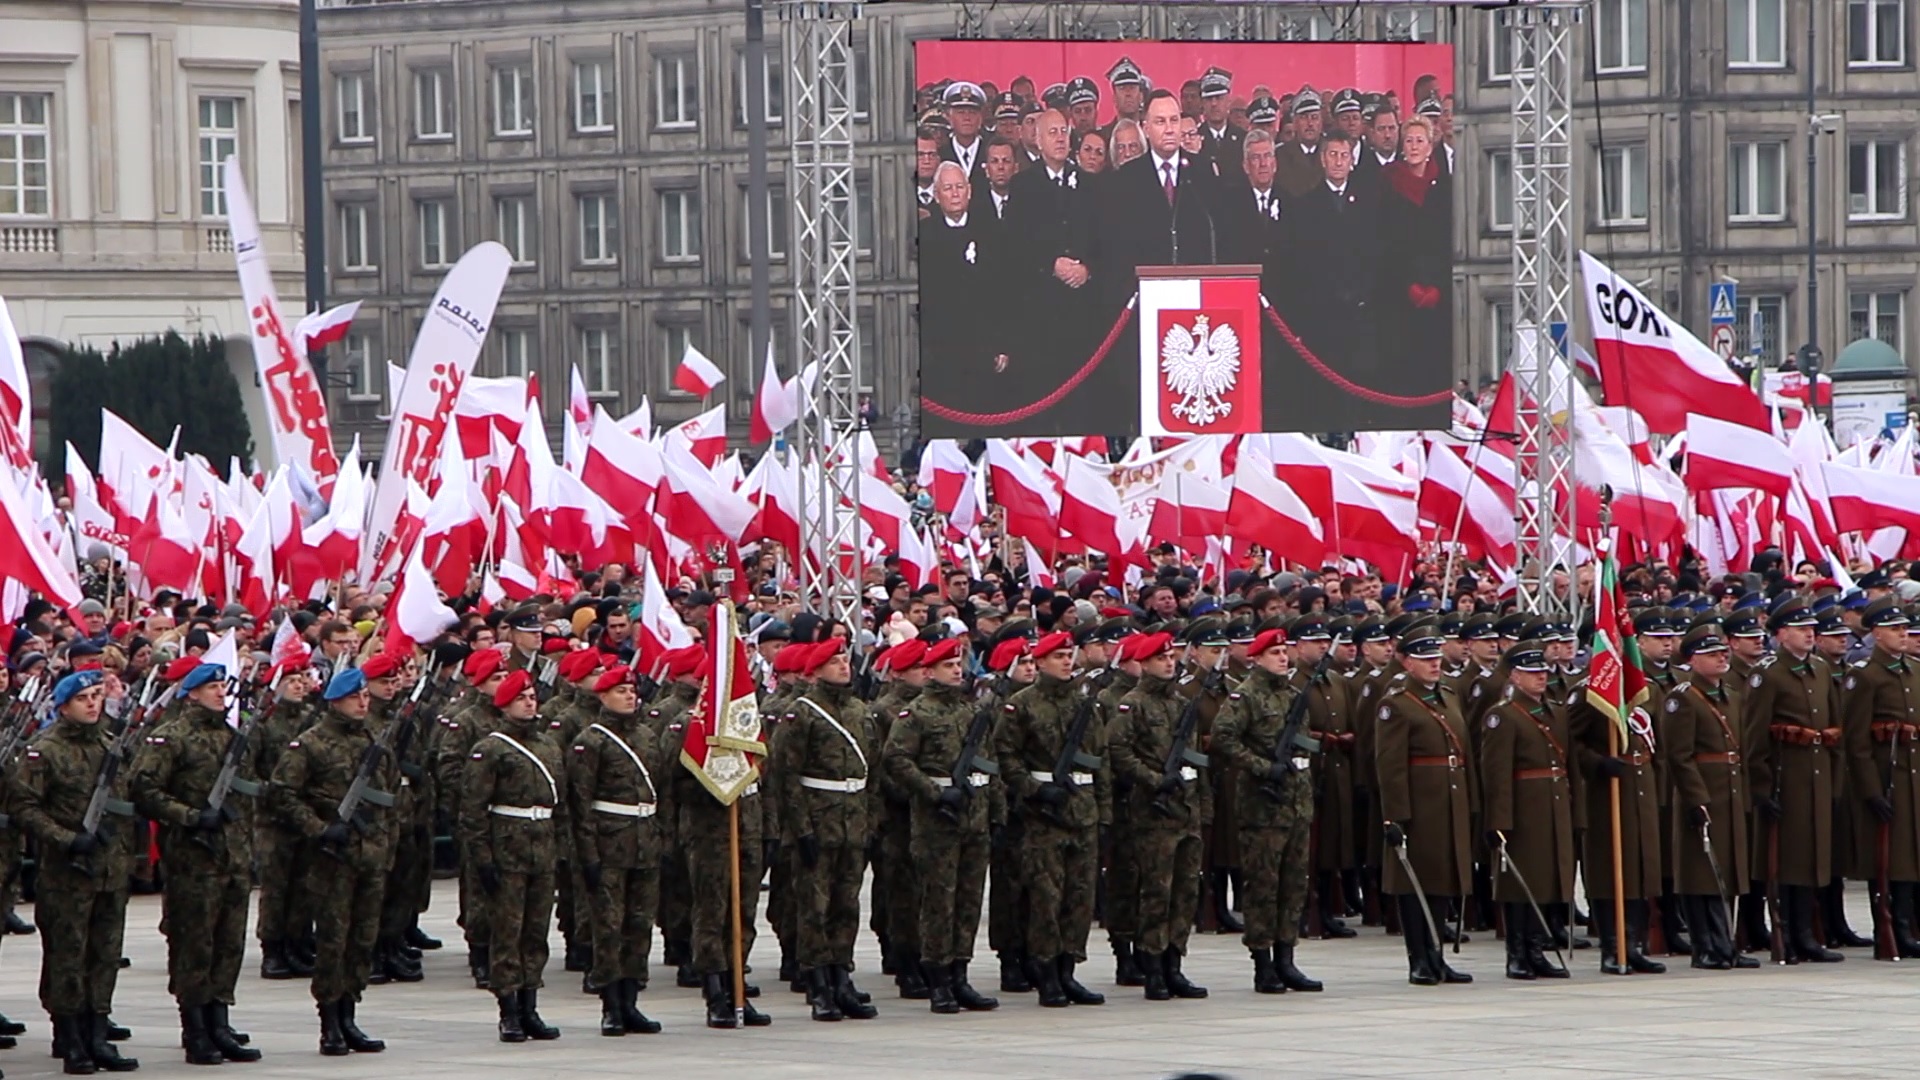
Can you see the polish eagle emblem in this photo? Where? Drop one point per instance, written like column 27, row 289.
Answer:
column 1200, row 363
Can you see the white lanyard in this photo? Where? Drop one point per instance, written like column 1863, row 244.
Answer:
column 537, row 763
column 637, row 763
column 851, row 741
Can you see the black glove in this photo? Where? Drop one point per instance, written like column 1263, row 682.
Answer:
column 413, row 772
column 590, row 874
column 335, row 834
column 769, row 850
column 1050, row 794
column 1169, row 785
column 809, row 851
column 1278, row 771
column 1495, row 840
column 489, row 875
column 952, row 803
column 210, row 819
column 1612, row 768
column 229, row 812
column 1696, row 816
column 82, row 845
column 1770, row 808
column 1881, row 808
column 1394, row 834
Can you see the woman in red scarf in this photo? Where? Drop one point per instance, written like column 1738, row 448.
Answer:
column 1416, row 228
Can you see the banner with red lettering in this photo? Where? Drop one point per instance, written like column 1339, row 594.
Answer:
column 443, row 356
column 296, row 405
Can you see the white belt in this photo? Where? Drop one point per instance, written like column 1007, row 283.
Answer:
column 973, row 780
column 846, row 787
column 406, row 781
column 529, row 813
column 1081, row 778
column 751, row 789
column 1189, row 773
column 633, row 810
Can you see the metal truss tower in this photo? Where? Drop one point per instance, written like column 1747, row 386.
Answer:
column 1542, row 38
column 820, row 176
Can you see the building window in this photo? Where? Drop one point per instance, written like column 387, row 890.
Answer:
column 863, row 227
column 1499, row 50
column 1500, row 191
column 432, row 111
column 516, row 352
column 354, row 120
column 356, row 238
column 676, row 93
column 436, row 242
column 1877, row 180
column 1500, row 334
column 1620, row 33
column 514, row 227
column 862, row 81
column 1760, row 327
column 777, row 206
column 675, row 339
column 1409, row 24
column 362, row 379
column 599, row 230
column 593, row 96
column 26, row 184
column 1756, row 33
column 776, row 90
column 1876, row 33
column 596, row 361
column 513, row 100
column 1757, row 181
column 1623, row 185
column 1879, row 315
column 680, row 226
column 219, row 140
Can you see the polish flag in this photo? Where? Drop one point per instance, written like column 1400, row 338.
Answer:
column 944, row 472
column 697, row 375
column 419, row 616
column 1723, row 455
column 659, row 630
column 26, row 558
column 253, row 559
column 704, row 436
column 16, row 392
column 1023, row 493
column 1199, row 356
column 698, row 509
column 919, row 561
column 775, row 407
column 515, row 581
column 579, row 406
column 1264, row 510
column 1188, row 510
column 1865, row 500
column 489, row 405
column 319, row 329
column 1090, row 506
column 884, row 511
column 621, row 468
column 1651, row 362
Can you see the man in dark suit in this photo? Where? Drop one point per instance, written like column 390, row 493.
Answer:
column 1048, row 228
column 1381, row 148
column 1300, row 156
column 1253, row 210
column 967, row 146
column 1001, row 169
column 1333, row 252
column 1222, row 139
column 961, row 276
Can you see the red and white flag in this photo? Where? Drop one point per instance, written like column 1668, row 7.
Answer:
column 16, row 392
column 1090, row 505
column 1651, row 362
column 775, row 406
column 944, row 472
column 697, row 375
column 659, row 630
column 418, row 614
column 705, row 436
column 319, row 329
column 1200, row 355
column 1265, row 511
column 25, row 556
column 579, row 405
column 1723, row 455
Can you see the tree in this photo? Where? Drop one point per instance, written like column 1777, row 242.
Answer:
column 155, row 384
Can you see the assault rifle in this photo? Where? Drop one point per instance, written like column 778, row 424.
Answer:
column 970, row 761
column 229, row 780
column 1181, row 754
column 361, row 791
column 122, row 731
column 543, row 680
column 17, row 720
column 1293, row 736
column 1071, row 756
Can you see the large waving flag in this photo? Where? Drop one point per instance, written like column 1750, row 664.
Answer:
column 723, row 733
column 1616, row 683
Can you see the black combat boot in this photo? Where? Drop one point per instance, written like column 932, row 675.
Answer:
column 1265, row 979
column 510, row 1029
column 1706, row 920
column 1331, row 905
column 477, row 963
column 1077, row 994
column 116, row 1033
column 1290, row 974
column 530, row 1021
column 195, row 1042
column 1609, row 941
column 419, row 938
column 1904, row 894
column 105, row 1055
column 963, row 992
column 1674, row 913
column 401, row 965
column 939, row 992
column 790, row 970
column 909, row 976
column 225, row 1039
column 1637, row 961
column 1152, row 976
column 820, row 994
column 1518, row 920
column 300, row 955
column 636, row 1021
column 1833, row 918
column 377, row 971
column 1126, row 969
column 577, row 957
column 1014, row 978
column 1177, row 981
column 273, row 960
column 357, row 1041
column 612, row 1024
column 848, row 997
column 749, row 1016
column 1045, row 977
column 1420, row 952
column 332, row 1043
column 10, row 1028
column 76, row 1049
column 719, row 1003
column 889, row 961
column 1800, row 900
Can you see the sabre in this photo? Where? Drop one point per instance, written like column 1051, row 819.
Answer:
column 1713, row 863
column 1507, row 864
column 1420, row 894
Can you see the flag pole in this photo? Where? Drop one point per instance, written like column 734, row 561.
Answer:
column 1613, row 746
column 723, row 576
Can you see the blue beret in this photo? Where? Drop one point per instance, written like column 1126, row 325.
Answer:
column 65, row 689
column 200, row 677
column 1854, row 601
column 345, row 682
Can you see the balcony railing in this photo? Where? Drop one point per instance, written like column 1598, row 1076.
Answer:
column 29, row 239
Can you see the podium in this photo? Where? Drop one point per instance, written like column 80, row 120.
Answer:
column 1200, row 367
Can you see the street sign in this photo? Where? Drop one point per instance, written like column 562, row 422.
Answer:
column 1722, row 340
column 1558, row 332
column 1720, row 303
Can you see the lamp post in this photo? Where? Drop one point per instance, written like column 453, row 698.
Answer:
column 1809, row 360
column 313, row 194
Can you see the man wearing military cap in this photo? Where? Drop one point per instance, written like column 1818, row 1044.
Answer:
column 1746, row 636
column 1349, row 118
column 1207, row 678
column 460, row 729
column 525, row 638
column 1263, row 113
column 1428, row 796
column 1881, row 718
column 1120, row 914
column 285, row 917
column 680, row 676
column 1083, row 104
column 1009, row 669
column 81, row 891
column 1337, row 810
column 895, row 920
column 1008, row 110
column 1701, row 728
column 1129, row 90
column 965, row 103
column 1300, row 169
column 1220, row 140
column 206, row 856
column 1528, row 793
column 1832, row 639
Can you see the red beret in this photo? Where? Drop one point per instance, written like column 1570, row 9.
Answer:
column 481, row 665
column 1265, row 640
column 381, row 666
column 511, row 687
column 579, row 664
column 1005, row 653
column 819, row 653
column 612, row 677
column 554, row 645
column 790, row 656
column 684, row 661
column 949, row 649
column 179, row 668
column 294, row 664
column 908, row 654
column 1053, row 643
column 1111, row 612
column 1147, row 646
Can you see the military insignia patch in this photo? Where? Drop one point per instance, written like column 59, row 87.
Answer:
column 1673, row 705
column 1385, row 712
column 477, row 755
column 1851, row 679
column 1493, row 721
column 1754, row 682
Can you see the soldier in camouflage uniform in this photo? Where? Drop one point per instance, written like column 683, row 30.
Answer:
column 348, row 860
column 12, row 841
column 680, row 668
column 285, row 913
column 789, row 685
column 81, row 906
column 512, row 810
column 460, row 729
column 576, row 708
column 1121, row 911
column 618, row 836
column 391, row 960
column 1006, row 889
column 950, row 821
column 895, row 901
column 829, row 793
column 1059, row 848
column 1275, row 792
column 206, row 856
column 1168, row 812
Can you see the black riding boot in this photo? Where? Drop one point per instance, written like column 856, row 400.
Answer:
column 1331, row 905
column 1904, row 897
column 1833, row 918
column 1637, row 961
column 1712, row 948
column 1420, row 947
column 1519, row 923
column 1752, row 914
column 1609, row 941
column 1222, row 908
column 1537, row 943
column 1800, row 901
column 1674, row 913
